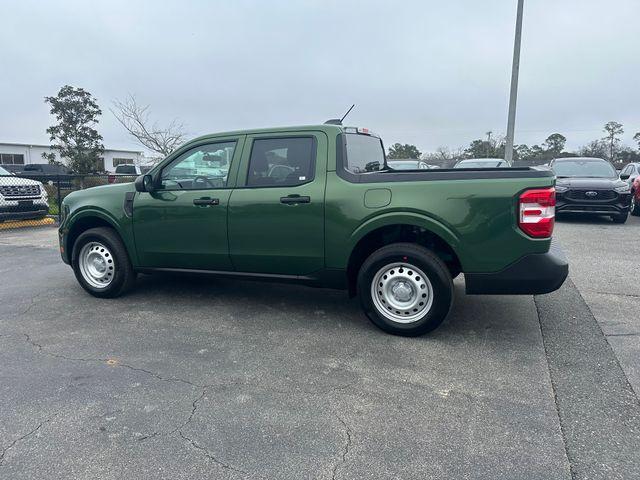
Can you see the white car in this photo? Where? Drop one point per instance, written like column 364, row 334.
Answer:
column 482, row 163
column 410, row 165
column 21, row 198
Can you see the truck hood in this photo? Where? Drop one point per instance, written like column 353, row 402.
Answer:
column 590, row 183
column 115, row 189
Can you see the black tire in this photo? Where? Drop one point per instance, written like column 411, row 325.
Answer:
column 124, row 276
column 635, row 206
column 409, row 256
column 621, row 218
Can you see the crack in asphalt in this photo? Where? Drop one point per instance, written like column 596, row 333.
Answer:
column 194, row 405
column 42, row 351
column 622, row 334
column 23, row 437
column 345, row 449
column 160, row 377
column 210, row 456
column 632, row 295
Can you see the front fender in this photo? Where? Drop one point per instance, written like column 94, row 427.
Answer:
column 83, row 216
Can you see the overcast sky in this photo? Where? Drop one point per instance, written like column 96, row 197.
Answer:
column 431, row 73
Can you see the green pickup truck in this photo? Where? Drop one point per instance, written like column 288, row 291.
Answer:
column 319, row 205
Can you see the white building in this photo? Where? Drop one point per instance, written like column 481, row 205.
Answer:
column 24, row 154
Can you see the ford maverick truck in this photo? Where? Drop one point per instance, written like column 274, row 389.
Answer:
column 320, row 205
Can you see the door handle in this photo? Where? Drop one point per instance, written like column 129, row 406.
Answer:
column 293, row 199
column 206, row 201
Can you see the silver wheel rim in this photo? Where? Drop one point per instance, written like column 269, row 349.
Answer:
column 633, row 203
column 402, row 292
column 97, row 265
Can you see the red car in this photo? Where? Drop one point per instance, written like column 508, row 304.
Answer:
column 635, row 197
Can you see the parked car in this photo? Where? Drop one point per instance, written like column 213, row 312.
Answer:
column 482, row 163
column 630, row 172
column 409, row 165
column 124, row 169
column 46, row 172
column 12, row 168
column 588, row 185
column 634, row 208
column 21, row 198
column 45, row 169
column 338, row 219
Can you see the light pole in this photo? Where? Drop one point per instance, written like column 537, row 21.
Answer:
column 513, row 95
column 488, row 143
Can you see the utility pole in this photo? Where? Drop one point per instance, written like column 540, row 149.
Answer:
column 513, row 95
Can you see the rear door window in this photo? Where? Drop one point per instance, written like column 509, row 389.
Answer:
column 281, row 162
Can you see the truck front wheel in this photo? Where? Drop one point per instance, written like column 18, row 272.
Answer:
column 101, row 264
column 405, row 289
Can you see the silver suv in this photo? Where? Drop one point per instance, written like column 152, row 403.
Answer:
column 21, row 198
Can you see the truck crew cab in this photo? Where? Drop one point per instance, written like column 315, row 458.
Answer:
column 318, row 205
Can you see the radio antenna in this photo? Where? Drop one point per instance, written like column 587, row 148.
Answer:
column 338, row 121
column 345, row 115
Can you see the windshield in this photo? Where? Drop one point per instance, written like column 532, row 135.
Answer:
column 4, row 172
column 584, row 168
column 364, row 153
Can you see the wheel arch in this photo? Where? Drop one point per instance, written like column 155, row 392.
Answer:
column 412, row 229
column 86, row 220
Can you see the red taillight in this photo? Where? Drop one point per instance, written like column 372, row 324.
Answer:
column 537, row 212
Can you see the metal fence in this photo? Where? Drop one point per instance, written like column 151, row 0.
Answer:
column 34, row 200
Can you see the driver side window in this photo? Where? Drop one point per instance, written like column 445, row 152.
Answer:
column 201, row 168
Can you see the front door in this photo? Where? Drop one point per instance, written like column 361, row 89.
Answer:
column 183, row 224
column 276, row 213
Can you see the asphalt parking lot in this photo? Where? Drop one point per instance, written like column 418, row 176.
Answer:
column 200, row 378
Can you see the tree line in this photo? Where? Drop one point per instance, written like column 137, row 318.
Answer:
column 609, row 147
column 74, row 136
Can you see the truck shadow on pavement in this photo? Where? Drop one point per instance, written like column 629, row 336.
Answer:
column 491, row 319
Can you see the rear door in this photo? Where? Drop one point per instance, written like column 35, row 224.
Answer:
column 276, row 213
column 183, row 224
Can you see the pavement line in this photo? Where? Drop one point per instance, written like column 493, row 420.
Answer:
column 599, row 411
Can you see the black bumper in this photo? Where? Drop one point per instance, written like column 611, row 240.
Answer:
column 532, row 274
column 36, row 211
column 617, row 206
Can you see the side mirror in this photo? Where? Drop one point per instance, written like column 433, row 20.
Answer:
column 624, row 176
column 144, row 183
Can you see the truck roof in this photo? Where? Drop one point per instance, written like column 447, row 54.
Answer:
column 327, row 128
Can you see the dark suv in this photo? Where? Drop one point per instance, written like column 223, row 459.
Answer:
column 590, row 185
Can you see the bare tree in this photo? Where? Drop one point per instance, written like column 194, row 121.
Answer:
column 135, row 119
column 444, row 157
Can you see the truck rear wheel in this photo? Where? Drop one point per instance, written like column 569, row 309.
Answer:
column 101, row 264
column 405, row 289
